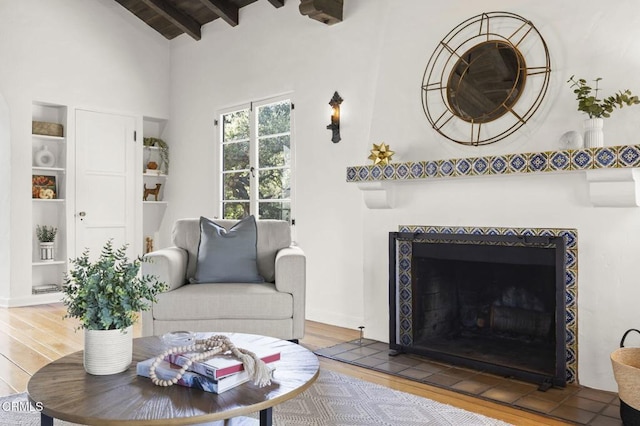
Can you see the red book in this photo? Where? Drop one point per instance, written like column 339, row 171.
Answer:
column 220, row 366
column 167, row 371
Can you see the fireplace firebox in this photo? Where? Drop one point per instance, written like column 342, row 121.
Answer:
column 495, row 303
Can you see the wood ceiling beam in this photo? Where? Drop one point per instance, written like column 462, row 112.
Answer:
column 326, row 11
column 224, row 9
column 176, row 17
column 277, row 3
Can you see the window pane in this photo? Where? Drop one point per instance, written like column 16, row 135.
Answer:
column 274, row 118
column 235, row 210
column 274, row 184
column 278, row 210
column 235, row 125
column 274, row 152
column 235, row 156
column 236, row 186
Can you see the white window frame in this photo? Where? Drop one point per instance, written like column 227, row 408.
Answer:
column 254, row 154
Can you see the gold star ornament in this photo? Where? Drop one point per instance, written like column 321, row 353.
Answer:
column 381, row 154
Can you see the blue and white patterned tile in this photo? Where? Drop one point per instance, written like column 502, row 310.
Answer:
column 560, row 160
column 389, row 171
column 376, row 172
column 480, row 166
column 605, row 157
column 352, row 173
column 538, row 162
column 629, row 156
column 431, row 169
column 499, row 165
column 445, row 168
column 418, row 170
column 363, row 173
column 517, row 163
column 570, row 238
column 510, row 231
column 403, row 171
column 569, row 258
column 404, row 264
column 405, row 248
column 581, row 159
column 462, row 167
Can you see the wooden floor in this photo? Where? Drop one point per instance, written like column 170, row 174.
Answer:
column 31, row 337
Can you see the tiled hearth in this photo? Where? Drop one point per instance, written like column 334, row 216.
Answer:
column 574, row 403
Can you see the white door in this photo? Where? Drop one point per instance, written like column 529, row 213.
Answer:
column 105, row 181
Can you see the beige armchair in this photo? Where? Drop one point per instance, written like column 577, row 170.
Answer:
column 274, row 308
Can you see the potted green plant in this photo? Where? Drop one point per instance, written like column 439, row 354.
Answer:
column 597, row 109
column 106, row 295
column 163, row 149
column 46, row 235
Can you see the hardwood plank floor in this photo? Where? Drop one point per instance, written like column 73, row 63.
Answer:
column 31, row 337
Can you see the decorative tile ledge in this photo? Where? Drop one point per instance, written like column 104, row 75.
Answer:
column 615, row 187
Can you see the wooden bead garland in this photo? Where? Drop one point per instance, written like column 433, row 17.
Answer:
column 209, row 347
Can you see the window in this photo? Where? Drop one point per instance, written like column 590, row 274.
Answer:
column 256, row 160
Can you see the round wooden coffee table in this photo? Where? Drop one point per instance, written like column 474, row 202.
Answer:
column 68, row 393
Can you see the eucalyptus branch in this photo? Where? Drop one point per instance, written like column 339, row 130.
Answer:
column 599, row 108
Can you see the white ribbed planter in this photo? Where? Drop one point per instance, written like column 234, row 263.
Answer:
column 593, row 133
column 46, row 251
column 107, row 351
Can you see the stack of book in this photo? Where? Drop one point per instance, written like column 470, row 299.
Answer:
column 217, row 374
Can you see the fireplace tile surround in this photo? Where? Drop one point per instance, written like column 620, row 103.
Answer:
column 571, row 276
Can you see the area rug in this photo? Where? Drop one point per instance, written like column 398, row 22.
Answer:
column 333, row 400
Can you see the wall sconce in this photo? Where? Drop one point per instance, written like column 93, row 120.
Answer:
column 335, row 102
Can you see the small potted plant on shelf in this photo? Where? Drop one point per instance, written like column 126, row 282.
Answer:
column 597, row 109
column 46, row 236
column 106, row 295
column 163, row 149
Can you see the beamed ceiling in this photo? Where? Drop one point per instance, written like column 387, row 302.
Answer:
column 174, row 17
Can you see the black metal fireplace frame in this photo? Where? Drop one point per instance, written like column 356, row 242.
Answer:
column 544, row 380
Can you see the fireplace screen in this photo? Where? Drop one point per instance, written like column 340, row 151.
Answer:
column 490, row 302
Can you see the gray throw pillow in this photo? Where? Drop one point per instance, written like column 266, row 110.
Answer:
column 227, row 256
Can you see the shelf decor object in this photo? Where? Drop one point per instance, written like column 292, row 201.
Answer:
column 47, row 129
column 44, row 157
column 161, row 145
column 473, row 88
column 597, row 109
column 381, row 154
column 46, row 236
column 43, row 187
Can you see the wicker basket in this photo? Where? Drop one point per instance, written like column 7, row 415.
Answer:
column 46, row 129
column 626, row 369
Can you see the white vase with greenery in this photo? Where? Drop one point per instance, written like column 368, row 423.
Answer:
column 597, row 109
column 106, row 296
column 46, row 236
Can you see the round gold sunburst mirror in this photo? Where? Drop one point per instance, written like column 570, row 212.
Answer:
column 486, row 78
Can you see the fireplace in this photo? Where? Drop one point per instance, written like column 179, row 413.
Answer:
column 492, row 301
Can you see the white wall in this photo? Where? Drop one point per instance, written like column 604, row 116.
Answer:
column 90, row 54
column 275, row 51
column 376, row 59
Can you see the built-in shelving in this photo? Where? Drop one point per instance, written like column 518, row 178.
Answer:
column 49, row 163
column 153, row 207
